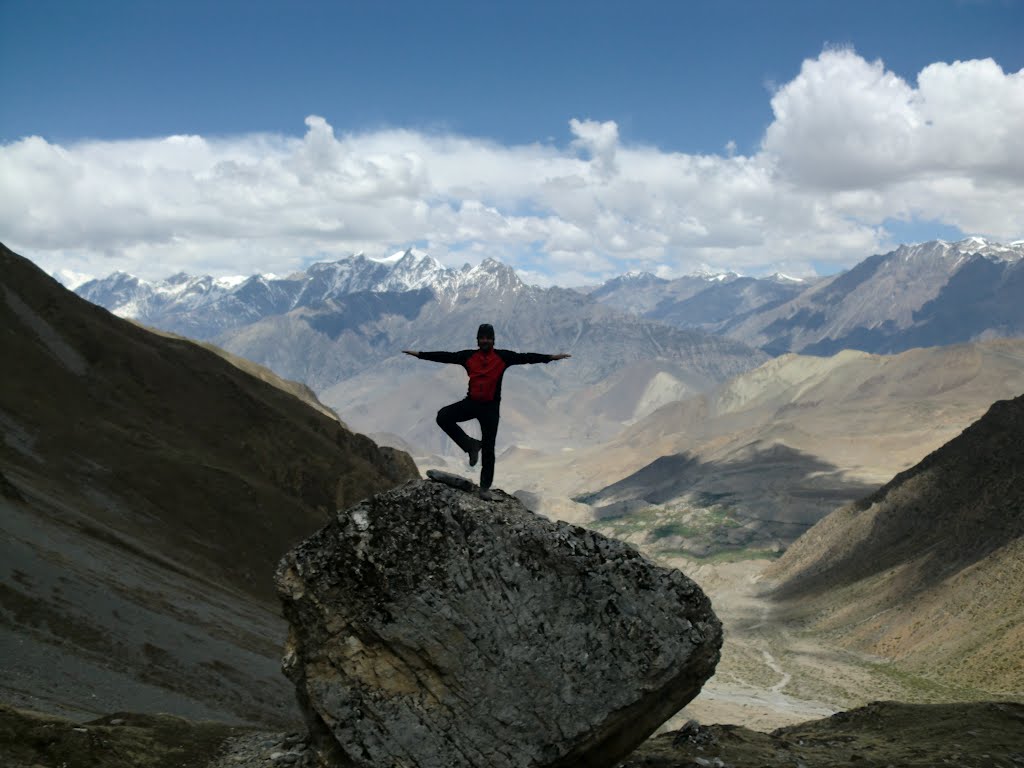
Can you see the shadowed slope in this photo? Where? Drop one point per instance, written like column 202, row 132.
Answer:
column 147, row 489
column 187, row 451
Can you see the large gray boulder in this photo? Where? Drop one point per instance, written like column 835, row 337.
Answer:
column 431, row 629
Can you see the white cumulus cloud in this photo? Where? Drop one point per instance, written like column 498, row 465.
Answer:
column 851, row 146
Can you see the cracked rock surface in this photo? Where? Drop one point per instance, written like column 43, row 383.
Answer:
column 432, row 629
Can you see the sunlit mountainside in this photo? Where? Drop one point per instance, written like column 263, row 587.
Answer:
column 919, row 295
column 927, row 571
column 755, row 461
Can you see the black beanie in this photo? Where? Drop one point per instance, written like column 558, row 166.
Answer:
column 485, row 331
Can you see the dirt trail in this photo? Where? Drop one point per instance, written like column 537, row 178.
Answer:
column 771, row 674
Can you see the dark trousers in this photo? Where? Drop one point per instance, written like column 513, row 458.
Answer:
column 448, row 419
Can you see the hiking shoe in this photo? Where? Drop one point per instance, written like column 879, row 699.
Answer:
column 485, row 494
column 474, row 453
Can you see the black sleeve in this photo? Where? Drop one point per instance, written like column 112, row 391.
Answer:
column 522, row 358
column 458, row 358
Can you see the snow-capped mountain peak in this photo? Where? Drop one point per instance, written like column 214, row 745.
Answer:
column 957, row 251
column 232, row 281
column 1011, row 252
column 182, row 284
column 705, row 272
column 490, row 272
column 411, row 271
column 398, row 256
column 780, row 277
column 640, row 277
column 123, row 294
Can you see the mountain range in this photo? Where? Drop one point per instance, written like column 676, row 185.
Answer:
column 706, row 300
column 928, row 294
column 827, row 426
column 205, row 307
column 340, row 328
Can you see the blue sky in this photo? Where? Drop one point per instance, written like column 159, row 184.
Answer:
column 374, row 125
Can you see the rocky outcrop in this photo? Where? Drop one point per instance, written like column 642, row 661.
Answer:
column 432, row 629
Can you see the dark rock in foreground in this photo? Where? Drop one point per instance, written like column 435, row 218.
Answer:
column 880, row 735
column 883, row 734
column 432, row 629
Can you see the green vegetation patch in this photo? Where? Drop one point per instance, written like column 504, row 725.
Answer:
column 742, row 553
column 707, row 499
column 672, row 529
column 682, row 529
column 921, row 689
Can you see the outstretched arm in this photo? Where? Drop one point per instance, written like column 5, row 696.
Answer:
column 441, row 357
column 528, row 358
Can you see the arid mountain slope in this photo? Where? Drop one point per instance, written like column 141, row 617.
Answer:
column 928, row 570
column 793, row 439
column 920, row 295
column 148, row 488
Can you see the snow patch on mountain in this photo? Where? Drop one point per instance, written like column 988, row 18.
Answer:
column 231, row 281
column 412, row 271
column 236, row 298
column 206, row 306
column 399, row 255
column 969, row 246
column 641, row 277
column 710, row 274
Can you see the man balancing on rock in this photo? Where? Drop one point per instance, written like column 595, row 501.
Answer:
column 486, row 367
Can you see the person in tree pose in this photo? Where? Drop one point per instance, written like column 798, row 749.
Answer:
column 486, row 367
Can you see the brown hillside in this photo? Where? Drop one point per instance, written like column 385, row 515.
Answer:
column 928, row 570
column 161, row 439
column 148, row 487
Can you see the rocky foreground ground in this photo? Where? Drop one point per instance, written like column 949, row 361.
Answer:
column 880, row 735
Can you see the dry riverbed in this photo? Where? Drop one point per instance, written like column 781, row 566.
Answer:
column 773, row 674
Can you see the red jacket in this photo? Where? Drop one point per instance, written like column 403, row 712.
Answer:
column 485, row 369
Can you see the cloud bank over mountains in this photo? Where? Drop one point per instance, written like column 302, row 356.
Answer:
column 852, row 147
